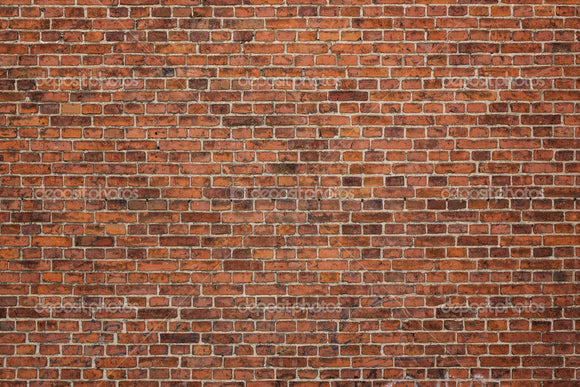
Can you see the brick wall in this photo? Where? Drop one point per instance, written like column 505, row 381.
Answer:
column 289, row 192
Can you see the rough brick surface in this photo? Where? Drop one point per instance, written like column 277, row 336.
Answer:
column 289, row 192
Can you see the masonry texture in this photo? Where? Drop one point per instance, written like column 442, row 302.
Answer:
column 289, row 192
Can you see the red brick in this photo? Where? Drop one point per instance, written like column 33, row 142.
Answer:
column 375, row 115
